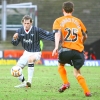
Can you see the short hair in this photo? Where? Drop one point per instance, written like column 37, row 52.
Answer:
column 26, row 17
column 68, row 7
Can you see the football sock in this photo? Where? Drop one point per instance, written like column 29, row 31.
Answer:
column 21, row 78
column 30, row 72
column 83, row 84
column 63, row 73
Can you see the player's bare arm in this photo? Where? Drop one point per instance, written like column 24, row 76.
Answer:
column 84, row 36
column 57, row 39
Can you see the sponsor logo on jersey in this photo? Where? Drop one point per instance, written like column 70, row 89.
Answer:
column 27, row 41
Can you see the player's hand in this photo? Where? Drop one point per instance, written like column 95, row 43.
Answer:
column 15, row 36
column 55, row 52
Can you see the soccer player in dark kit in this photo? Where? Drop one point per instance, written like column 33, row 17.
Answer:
column 30, row 37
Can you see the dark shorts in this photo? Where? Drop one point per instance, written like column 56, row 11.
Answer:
column 71, row 57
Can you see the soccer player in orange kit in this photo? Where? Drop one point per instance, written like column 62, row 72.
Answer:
column 72, row 32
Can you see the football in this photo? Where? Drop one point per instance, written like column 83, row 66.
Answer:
column 16, row 71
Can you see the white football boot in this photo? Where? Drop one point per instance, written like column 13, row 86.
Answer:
column 23, row 84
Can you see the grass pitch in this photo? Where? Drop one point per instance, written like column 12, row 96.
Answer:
column 46, row 82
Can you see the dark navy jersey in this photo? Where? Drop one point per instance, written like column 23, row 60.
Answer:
column 31, row 40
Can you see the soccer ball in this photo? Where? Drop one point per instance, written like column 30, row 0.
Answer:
column 16, row 71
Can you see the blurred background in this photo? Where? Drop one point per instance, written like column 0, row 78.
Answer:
column 44, row 12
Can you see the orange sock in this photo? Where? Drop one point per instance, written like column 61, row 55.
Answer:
column 63, row 73
column 83, row 84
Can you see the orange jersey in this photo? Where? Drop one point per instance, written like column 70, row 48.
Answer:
column 71, row 31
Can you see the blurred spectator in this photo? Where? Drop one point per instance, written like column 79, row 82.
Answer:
column 86, row 55
column 91, row 54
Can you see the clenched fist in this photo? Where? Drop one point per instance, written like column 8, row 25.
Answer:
column 15, row 36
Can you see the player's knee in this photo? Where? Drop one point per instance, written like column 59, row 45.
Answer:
column 31, row 59
column 76, row 73
column 60, row 67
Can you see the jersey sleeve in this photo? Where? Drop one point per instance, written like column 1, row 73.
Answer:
column 83, row 27
column 43, row 34
column 56, row 25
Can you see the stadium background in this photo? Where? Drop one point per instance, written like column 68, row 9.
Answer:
column 49, row 10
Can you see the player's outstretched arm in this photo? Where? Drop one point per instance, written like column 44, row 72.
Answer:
column 43, row 34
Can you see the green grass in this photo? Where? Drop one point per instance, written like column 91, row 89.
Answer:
column 46, row 82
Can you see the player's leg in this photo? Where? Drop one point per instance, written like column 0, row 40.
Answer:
column 30, row 69
column 78, row 61
column 23, row 82
column 31, row 60
column 82, row 82
column 62, row 71
column 22, row 62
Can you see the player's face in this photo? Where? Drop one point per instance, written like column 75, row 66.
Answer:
column 27, row 24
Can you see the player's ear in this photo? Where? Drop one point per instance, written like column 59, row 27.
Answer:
column 63, row 10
